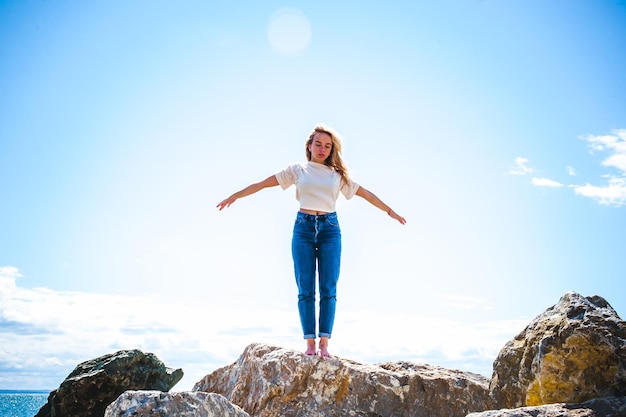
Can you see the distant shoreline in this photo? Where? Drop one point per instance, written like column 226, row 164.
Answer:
column 25, row 391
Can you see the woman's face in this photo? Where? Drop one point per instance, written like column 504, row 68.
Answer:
column 320, row 147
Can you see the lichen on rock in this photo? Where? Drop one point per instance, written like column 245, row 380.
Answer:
column 573, row 352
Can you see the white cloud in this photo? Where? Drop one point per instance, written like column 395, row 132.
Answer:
column 615, row 144
column 44, row 334
column 613, row 193
column 10, row 273
column 520, row 168
column 546, row 182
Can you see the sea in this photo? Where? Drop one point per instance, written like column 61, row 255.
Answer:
column 21, row 403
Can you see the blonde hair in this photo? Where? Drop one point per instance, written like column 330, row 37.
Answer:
column 334, row 160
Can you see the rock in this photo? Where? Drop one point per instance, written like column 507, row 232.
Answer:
column 179, row 404
column 598, row 407
column 268, row 381
column 94, row 384
column 574, row 351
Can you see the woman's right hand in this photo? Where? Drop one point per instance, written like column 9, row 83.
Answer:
column 226, row 202
column 270, row 181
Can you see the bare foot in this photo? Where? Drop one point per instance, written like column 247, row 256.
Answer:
column 324, row 347
column 310, row 347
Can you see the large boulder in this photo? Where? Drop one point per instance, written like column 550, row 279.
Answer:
column 598, row 407
column 94, row 384
column 268, row 381
column 573, row 352
column 179, row 404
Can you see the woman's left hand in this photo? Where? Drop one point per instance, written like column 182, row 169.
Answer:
column 396, row 216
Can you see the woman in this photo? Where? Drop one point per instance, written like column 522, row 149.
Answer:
column 316, row 242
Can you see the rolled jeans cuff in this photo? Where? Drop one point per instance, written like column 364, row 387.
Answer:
column 325, row 335
column 309, row 336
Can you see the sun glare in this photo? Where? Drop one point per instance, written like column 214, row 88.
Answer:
column 289, row 32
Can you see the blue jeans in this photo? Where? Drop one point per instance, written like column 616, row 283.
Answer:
column 316, row 247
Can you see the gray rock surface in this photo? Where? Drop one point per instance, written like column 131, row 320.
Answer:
column 94, row 384
column 598, row 407
column 268, row 381
column 178, row 404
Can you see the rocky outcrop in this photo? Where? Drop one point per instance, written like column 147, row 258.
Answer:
column 179, row 404
column 598, row 407
column 94, row 384
column 268, row 381
column 573, row 352
column 569, row 361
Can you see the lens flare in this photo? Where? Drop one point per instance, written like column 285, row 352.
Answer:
column 289, row 32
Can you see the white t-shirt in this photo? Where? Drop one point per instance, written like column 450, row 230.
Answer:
column 317, row 185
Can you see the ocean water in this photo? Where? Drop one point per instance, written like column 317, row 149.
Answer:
column 21, row 403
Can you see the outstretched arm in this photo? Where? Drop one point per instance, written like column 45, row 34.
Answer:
column 375, row 201
column 250, row 189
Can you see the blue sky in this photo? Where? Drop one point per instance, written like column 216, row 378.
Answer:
column 498, row 129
